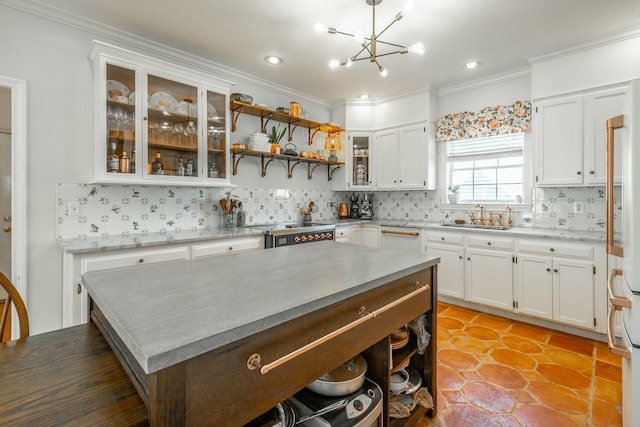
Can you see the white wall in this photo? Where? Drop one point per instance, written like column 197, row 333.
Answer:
column 52, row 58
column 500, row 92
column 603, row 65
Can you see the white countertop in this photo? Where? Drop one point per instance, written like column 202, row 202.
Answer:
column 95, row 244
column 169, row 312
column 546, row 233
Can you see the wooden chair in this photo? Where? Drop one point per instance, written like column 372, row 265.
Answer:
column 15, row 298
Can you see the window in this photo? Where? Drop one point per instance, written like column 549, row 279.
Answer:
column 488, row 170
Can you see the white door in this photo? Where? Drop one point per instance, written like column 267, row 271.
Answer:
column 559, row 141
column 5, row 184
column 573, row 282
column 489, row 278
column 450, row 269
column 534, row 286
column 386, row 152
column 412, row 157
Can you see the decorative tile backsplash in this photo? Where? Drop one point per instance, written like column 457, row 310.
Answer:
column 108, row 210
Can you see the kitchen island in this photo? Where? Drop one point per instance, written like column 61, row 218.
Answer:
column 219, row 341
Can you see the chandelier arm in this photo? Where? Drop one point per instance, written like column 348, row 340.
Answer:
column 386, row 28
column 392, row 44
column 344, row 34
column 389, row 53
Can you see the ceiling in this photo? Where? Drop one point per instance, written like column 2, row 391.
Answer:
column 502, row 34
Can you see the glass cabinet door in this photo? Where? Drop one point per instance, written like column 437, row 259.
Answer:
column 120, row 121
column 216, row 135
column 172, row 129
column 360, row 166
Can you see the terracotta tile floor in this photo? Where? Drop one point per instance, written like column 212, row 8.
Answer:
column 494, row 371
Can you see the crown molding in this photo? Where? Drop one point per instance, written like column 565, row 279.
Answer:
column 627, row 34
column 476, row 84
column 149, row 47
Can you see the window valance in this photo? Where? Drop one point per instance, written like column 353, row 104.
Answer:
column 490, row 121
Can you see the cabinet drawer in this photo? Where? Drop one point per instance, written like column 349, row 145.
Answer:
column 490, row 242
column 105, row 262
column 444, row 237
column 553, row 248
column 226, row 246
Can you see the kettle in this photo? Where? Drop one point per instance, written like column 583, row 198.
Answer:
column 343, row 211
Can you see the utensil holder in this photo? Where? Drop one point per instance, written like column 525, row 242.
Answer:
column 306, row 219
column 228, row 220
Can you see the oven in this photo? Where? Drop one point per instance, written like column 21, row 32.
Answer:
column 297, row 233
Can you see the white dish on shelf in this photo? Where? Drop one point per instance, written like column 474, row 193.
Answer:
column 162, row 101
column 186, row 108
column 116, row 89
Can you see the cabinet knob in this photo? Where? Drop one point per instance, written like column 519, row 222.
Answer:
column 442, row 238
column 555, row 270
column 460, row 256
column 548, row 269
column 552, row 250
column 141, row 260
column 579, row 172
column 592, row 172
column 468, row 258
column 145, row 119
column 230, row 248
column 489, row 243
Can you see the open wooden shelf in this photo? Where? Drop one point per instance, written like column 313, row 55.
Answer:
column 292, row 162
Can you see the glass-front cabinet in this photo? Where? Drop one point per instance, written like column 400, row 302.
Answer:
column 158, row 123
column 360, row 166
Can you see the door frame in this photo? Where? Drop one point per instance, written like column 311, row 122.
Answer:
column 18, row 189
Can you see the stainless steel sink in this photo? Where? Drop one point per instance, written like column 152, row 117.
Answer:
column 483, row 227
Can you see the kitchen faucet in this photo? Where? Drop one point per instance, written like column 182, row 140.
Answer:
column 482, row 218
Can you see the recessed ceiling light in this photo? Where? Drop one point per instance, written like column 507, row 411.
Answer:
column 273, row 60
column 471, row 65
column 364, row 96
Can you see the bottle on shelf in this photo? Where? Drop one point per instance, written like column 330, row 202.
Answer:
column 190, row 165
column 157, row 168
column 180, row 166
column 132, row 163
column 213, row 170
column 113, row 160
column 125, row 163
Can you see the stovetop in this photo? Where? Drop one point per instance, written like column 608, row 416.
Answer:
column 295, row 227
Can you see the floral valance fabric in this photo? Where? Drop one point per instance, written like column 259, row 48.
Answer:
column 489, row 121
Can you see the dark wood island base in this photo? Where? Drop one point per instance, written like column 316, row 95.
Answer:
column 224, row 387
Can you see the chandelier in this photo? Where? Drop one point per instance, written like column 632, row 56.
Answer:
column 369, row 45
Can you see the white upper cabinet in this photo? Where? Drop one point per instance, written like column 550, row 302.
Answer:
column 558, row 127
column 599, row 107
column 404, row 159
column 155, row 122
column 571, row 137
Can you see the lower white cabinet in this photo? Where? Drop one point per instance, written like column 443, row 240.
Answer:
column 404, row 239
column 343, row 234
column 74, row 299
column 360, row 234
column 557, row 281
column 450, row 269
column 489, row 275
column 450, row 248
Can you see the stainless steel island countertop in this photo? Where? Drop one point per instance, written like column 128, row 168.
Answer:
column 167, row 313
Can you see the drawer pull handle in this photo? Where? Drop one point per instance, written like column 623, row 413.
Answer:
column 402, row 233
column 253, row 362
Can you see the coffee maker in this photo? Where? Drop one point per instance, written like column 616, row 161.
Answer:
column 355, row 208
column 366, row 209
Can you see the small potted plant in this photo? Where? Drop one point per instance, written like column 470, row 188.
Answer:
column 454, row 194
column 274, row 138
